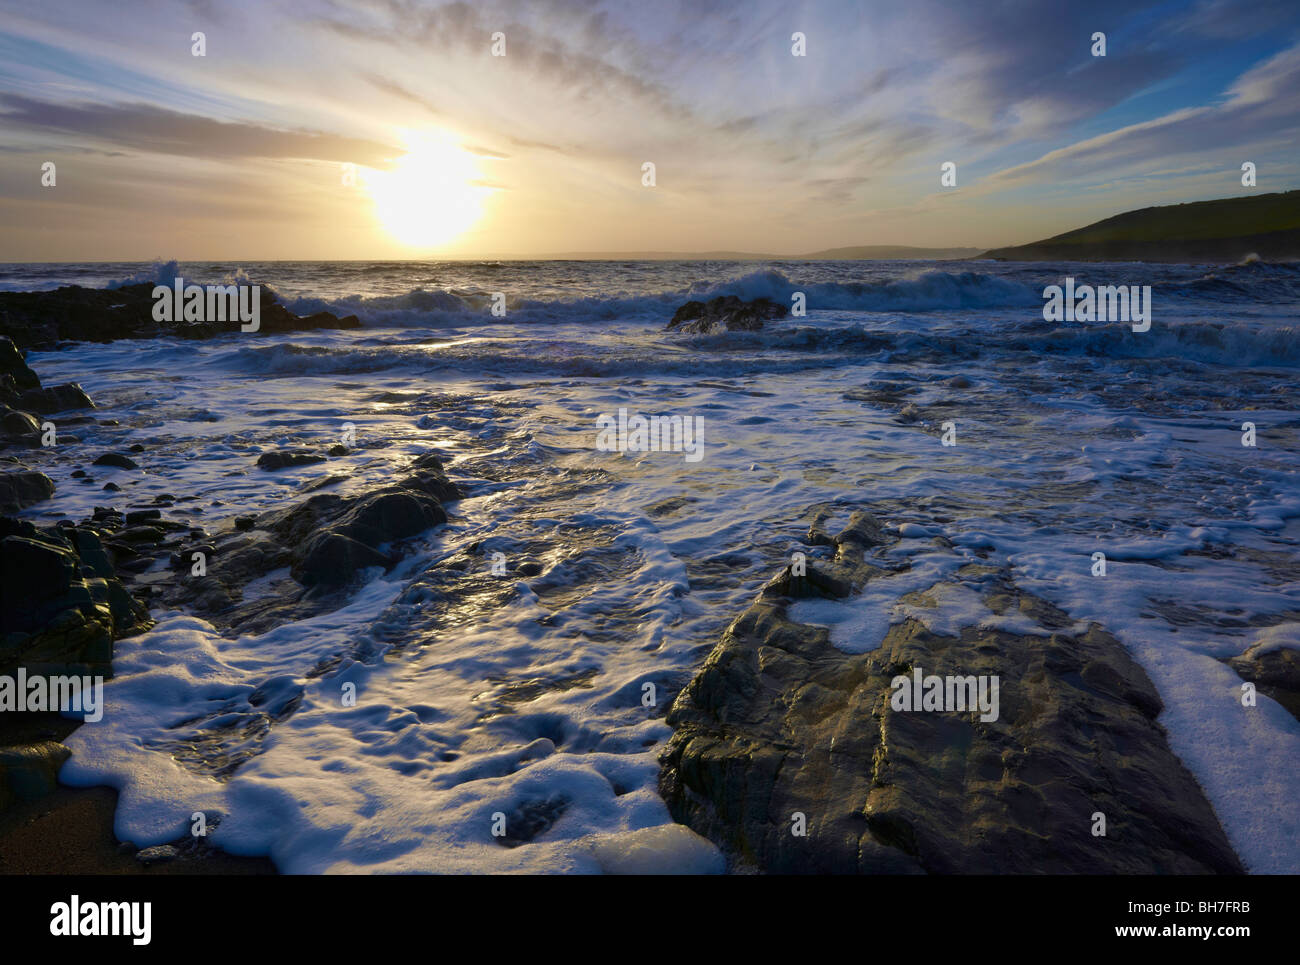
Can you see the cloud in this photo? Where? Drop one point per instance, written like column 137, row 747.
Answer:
column 156, row 130
column 1262, row 106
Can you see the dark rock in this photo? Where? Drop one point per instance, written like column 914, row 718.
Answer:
column 35, row 571
column 19, row 425
column 21, row 489
column 56, row 398
column 91, row 551
column 333, row 559
column 158, row 853
column 323, row 541
column 140, row 534
column 14, row 369
column 1275, row 672
column 64, row 605
column 727, row 312
column 287, row 458
column 21, row 394
column 112, row 487
column 142, row 515
column 780, row 721
column 387, row 516
column 337, row 450
column 117, row 460
column 30, row 771
column 72, row 313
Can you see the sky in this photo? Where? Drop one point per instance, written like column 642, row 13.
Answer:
column 391, row 129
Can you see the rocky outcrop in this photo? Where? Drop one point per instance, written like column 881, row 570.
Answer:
column 30, row 771
column 1275, row 671
column 780, row 724
column 20, row 488
column 42, row 319
column 725, row 313
column 56, row 398
column 323, row 541
column 63, row 603
column 21, row 395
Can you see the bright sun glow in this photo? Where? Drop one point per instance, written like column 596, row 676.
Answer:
column 430, row 197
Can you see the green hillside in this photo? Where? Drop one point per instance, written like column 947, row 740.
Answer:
column 1227, row 229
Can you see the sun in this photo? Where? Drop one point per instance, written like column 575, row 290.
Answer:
column 431, row 195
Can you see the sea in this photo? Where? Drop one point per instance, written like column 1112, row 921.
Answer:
column 933, row 395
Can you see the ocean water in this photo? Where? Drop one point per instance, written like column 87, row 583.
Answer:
column 480, row 695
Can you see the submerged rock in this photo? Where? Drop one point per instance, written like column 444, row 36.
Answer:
column 116, row 460
column 287, row 458
column 780, row 723
column 727, row 312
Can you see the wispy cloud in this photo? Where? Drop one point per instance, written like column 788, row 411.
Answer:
column 755, row 148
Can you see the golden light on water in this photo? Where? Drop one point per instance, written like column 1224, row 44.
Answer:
column 430, row 197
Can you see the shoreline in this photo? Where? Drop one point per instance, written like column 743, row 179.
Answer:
column 325, row 537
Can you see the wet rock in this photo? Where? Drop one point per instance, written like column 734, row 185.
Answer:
column 392, row 515
column 158, row 853
column 324, row 541
column 117, row 460
column 140, row 534
column 727, row 312
column 64, row 605
column 337, row 450
column 15, row 375
column 333, row 559
column 23, row 488
column 56, row 398
column 112, row 487
column 780, row 722
column 531, row 818
column 142, row 516
column 1275, row 671
column 19, row 425
column 42, row 319
column 287, row 458
column 35, row 571
column 30, row 771
column 21, row 395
